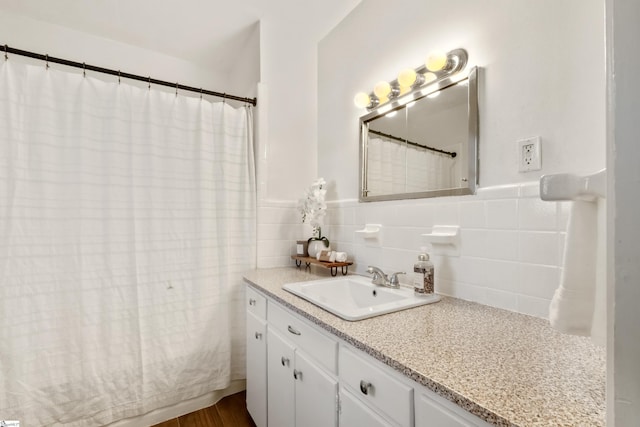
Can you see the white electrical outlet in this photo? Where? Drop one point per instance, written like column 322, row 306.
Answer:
column 529, row 154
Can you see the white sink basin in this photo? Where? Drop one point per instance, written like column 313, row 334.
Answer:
column 356, row 298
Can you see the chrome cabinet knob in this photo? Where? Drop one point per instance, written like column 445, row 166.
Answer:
column 293, row 330
column 365, row 386
column 252, row 301
column 258, row 336
column 285, row 361
column 297, row 374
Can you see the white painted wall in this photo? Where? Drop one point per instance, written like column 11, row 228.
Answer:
column 26, row 33
column 542, row 74
column 289, row 71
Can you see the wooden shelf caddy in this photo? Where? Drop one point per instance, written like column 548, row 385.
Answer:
column 307, row 260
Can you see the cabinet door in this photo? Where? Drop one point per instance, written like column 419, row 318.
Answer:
column 316, row 394
column 257, row 369
column 354, row 413
column 280, row 386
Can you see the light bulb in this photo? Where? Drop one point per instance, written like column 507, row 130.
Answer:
column 362, row 100
column 382, row 90
column 429, row 77
column 436, row 61
column 407, row 77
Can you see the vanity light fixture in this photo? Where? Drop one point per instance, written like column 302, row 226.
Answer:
column 429, row 77
column 436, row 61
column 409, row 78
column 361, row 100
column 382, row 89
column 438, row 66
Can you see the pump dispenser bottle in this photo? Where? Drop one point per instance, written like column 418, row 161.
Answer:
column 423, row 275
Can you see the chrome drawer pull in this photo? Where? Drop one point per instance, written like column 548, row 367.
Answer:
column 252, row 301
column 285, row 361
column 365, row 386
column 297, row 374
column 292, row 330
column 258, row 336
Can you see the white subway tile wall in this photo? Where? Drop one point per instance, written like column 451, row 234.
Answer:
column 510, row 246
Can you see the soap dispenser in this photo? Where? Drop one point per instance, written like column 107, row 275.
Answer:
column 423, row 275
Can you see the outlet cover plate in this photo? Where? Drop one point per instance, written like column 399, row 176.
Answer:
column 529, row 154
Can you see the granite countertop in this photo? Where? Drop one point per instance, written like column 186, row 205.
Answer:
column 507, row 368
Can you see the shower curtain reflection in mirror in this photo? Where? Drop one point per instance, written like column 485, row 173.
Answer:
column 395, row 168
column 127, row 215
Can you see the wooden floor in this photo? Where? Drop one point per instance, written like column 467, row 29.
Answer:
column 229, row 412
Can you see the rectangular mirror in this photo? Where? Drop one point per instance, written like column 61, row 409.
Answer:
column 424, row 144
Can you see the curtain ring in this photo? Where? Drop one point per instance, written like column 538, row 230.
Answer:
column 200, row 93
column 46, row 58
column 149, row 82
column 224, row 98
column 118, row 76
column 84, row 70
column 176, row 88
column 6, row 56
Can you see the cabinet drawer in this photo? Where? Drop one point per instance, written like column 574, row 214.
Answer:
column 313, row 342
column 433, row 410
column 256, row 303
column 374, row 386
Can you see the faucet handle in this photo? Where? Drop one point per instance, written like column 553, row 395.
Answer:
column 393, row 278
column 375, row 271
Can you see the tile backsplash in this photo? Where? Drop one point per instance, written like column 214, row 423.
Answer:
column 510, row 245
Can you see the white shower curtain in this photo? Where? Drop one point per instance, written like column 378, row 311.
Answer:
column 126, row 217
column 394, row 167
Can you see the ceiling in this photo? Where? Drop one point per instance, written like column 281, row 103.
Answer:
column 205, row 32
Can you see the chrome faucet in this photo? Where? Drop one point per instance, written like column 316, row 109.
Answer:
column 379, row 278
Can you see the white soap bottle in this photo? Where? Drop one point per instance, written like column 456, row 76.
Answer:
column 423, row 275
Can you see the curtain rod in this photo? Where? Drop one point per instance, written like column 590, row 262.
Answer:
column 119, row 74
column 415, row 144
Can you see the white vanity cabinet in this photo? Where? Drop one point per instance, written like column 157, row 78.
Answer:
column 256, row 306
column 302, row 387
column 299, row 375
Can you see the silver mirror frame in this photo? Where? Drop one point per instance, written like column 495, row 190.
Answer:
column 472, row 146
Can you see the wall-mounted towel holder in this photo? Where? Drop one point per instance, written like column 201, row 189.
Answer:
column 565, row 186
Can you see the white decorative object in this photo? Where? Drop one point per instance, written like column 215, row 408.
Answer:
column 370, row 231
column 312, row 206
column 315, row 247
column 341, row 256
